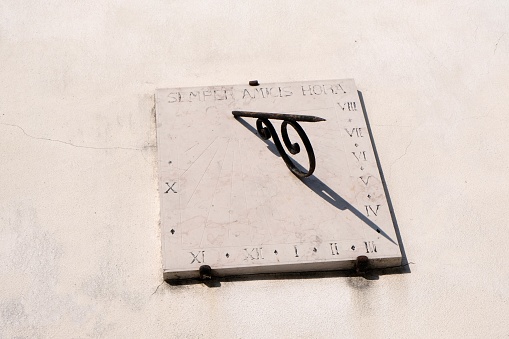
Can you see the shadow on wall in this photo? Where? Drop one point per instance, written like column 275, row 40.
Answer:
column 405, row 265
column 324, row 191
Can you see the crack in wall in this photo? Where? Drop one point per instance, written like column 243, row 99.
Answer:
column 496, row 45
column 406, row 150
column 74, row 145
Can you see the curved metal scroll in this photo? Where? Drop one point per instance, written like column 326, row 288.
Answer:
column 267, row 130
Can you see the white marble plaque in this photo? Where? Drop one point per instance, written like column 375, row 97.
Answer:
column 229, row 201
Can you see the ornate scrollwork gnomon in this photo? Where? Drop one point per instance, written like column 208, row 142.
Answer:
column 266, row 130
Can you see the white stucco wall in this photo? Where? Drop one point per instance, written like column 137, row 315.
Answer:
column 79, row 211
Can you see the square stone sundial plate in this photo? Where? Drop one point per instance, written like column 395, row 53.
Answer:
column 228, row 200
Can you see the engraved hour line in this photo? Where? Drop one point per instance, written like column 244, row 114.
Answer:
column 231, row 190
column 370, row 208
column 259, row 196
column 180, row 176
column 296, row 252
column 370, row 246
column 204, row 172
column 199, row 156
column 180, row 196
column 196, row 257
column 254, row 253
column 215, row 191
column 244, row 186
column 190, row 148
column 171, row 187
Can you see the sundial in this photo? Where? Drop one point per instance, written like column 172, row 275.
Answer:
column 236, row 200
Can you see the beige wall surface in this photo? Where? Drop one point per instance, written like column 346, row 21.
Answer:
column 79, row 210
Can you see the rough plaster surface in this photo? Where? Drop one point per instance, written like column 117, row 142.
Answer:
column 79, row 212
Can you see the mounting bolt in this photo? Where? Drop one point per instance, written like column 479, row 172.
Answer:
column 205, row 272
column 361, row 264
column 254, row 83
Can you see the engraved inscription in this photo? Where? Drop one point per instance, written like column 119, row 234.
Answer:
column 321, row 89
column 370, row 246
column 199, row 95
column 374, row 211
column 170, row 188
column 198, row 257
column 351, row 106
column 365, row 181
column 267, row 92
column 253, row 253
column 357, row 132
column 334, row 248
column 360, row 155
